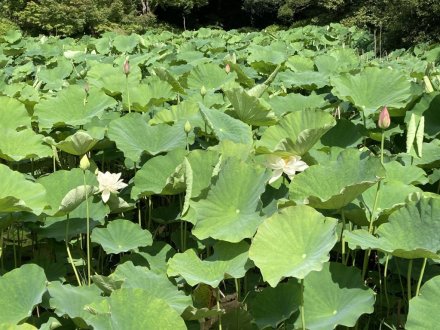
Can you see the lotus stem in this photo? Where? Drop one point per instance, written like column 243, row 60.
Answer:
column 422, row 272
column 218, row 308
column 2, row 265
column 237, row 287
column 344, row 259
column 303, row 318
column 385, row 272
column 408, row 279
column 128, row 94
column 88, row 230
column 69, row 254
column 382, row 144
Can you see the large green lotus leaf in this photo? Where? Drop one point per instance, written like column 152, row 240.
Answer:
column 20, row 290
column 184, row 111
column 335, row 184
column 228, row 260
column 135, row 309
column 154, row 175
column 310, row 80
column 337, row 61
column 75, row 197
column 24, row 144
column 231, row 209
column 225, row 127
column 335, row 296
column 60, row 183
column 121, row 236
column 295, row 133
column 155, row 256
column 125, row 44
column 77, row 144
column 144, row 95
column 13, row 114
column 296, row 102
column 428, row 107
column 294, row 242
column 209, row 75
column 19, row 194
column 133, row 136
column 392, row 195
column 423, row 309
column 249, row 109
column 54, row 77
column 24, row 326
column 374, row 88
column 271, row 306
column 156, row 285
column 68, row 107
column 267, row 55
column 407, row 174
column 411, row 232
column 73, row 301
column 112, row 78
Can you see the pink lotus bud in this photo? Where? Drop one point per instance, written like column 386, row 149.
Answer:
column 227, row 68
column 126, row 66
column 384, row 119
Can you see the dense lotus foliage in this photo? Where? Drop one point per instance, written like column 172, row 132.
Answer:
column 218, row 180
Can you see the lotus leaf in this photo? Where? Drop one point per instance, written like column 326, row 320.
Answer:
column 294, row 242
column 121, row 236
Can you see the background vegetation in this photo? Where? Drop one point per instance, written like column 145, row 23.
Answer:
column 398, row 23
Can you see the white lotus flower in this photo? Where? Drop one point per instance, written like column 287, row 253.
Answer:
column 109, row 183
column 289, row 165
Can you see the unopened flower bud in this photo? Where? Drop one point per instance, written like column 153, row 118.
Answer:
column 84, row 163
column 187, row 127
column 203, row 91
column 227, row 68
column 384, row 119
column 126, row 66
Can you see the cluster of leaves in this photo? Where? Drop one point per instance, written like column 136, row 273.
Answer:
column 204, row 234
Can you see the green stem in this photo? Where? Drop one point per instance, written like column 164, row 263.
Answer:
column 422, row 272
column 237, row 287
column 385, row 272
column 400, row 277
column 150, row 207
column 69, row 254
column 408, row 279
column 128, row 94
column 2, row 265
column 382, row 143
column 218, row 308
column 303, row 318
column 88, row 230
column 344, row 257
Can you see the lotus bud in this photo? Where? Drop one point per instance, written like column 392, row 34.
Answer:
column 84, row 163
column 187, row 127
column 227, row 68
column 384, row 119
column 203, row 91
column 126, row 66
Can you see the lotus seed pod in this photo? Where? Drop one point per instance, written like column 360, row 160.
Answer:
column 84, row 163
column 126, row 66
column 203, row 91
column 384, row 119
column 187, row 127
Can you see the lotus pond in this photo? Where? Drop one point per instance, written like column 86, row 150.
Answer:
column 219, row 180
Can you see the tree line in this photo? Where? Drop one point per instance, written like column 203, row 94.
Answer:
column 397, row 22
